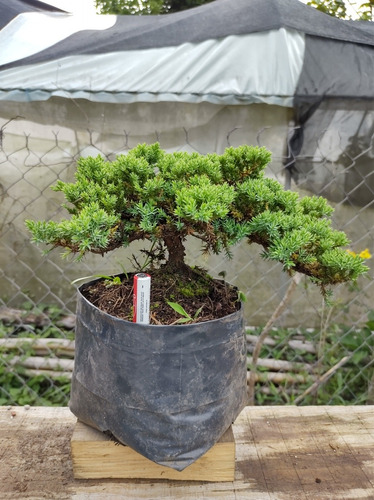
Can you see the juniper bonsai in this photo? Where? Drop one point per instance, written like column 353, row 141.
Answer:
column 149, row 194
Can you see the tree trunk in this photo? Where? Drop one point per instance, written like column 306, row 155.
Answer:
column 174, row 243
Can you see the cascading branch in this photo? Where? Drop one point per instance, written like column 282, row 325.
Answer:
column 220, row 199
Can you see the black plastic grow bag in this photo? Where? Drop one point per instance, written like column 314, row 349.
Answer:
column 168, row 392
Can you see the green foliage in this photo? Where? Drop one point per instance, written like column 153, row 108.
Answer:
column 16, row 388
column 111, row 280
column 196, row 288
column 203, row 201
column 108, row 280
column 336, row 8
column 366, row 10
column 155, row 7
column 180, row 310
column 220, row 199
column 91, row 229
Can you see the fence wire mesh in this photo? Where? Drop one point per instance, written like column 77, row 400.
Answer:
column 313, row 354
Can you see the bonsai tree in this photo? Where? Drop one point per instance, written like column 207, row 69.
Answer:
column 149, row 194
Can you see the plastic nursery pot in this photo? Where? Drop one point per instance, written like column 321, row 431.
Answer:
column 168, row 392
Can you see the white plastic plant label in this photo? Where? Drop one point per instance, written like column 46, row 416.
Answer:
column 142, row 297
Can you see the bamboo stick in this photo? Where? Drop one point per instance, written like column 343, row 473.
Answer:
column 281, row 365
column 267, row 391
column 53, row 374
column 42, row 363
column 19, row 316
column 279, row 378
column 62, row 347
column 302, row 345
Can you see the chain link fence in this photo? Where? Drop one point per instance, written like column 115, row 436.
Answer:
column 311, row 354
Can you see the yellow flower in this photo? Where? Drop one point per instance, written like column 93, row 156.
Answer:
column 351, row 252
column 365, row 254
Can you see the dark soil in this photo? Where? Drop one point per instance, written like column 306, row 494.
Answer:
column 190, row 288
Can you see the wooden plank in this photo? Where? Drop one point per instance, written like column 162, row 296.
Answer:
column 282, row 453
column 95, row 456
column 315, row 458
